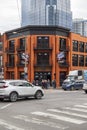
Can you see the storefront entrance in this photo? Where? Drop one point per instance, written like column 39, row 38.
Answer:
column 62, row 77
column 42, row 75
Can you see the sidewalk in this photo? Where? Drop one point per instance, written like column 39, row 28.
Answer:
column 52, row 89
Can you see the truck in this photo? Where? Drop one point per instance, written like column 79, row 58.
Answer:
column 75, row 80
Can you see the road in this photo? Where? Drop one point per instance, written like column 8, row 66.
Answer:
column 57, row 110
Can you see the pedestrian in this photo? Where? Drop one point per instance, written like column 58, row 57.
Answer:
column 45, row 84
column 34, row 83
column 48, row 83
column 54, row 83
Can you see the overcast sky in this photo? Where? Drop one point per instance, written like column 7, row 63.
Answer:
column 10, row 14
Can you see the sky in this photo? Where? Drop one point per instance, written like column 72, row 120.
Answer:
column 10, row 17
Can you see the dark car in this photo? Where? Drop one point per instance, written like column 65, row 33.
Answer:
column 73, row 85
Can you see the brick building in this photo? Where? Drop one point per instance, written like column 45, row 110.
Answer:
column 52, row 52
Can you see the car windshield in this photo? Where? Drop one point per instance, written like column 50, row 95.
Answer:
column 71, row 78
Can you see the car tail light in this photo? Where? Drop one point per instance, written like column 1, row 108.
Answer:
column 3, row 86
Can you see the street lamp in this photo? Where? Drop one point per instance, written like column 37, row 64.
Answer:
column 25, row 57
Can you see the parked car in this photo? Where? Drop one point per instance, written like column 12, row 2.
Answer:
column 73, row 85
column 14, row 89
column 85, row 87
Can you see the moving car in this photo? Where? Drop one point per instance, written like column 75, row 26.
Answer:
column 14, row 89
column 73, row 85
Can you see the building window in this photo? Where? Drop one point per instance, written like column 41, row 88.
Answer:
column 75, row 60
column 85, row 47
column 81, row 46
column 75, row 45
column 81, row 60
column 1, row 61
column 11, row 45
column 43, row 58
column 21, row 75
column 22, row 43
column 43, row 42
column 11, row 60
column 10, row 75
column 62, row 43
column 85, row 60
column 1, row 46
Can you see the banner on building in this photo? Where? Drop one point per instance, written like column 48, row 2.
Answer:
column 25, row 57
column 60, row 55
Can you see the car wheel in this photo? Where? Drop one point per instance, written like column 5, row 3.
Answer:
column 13, row 97
column 38, row 95
column 86, row 91
column 1, row 99
column 64, row 89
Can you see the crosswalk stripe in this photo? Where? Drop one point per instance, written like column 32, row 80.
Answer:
column 76, row 109
column 57, row 117
column 9, row 126
column 81, row 106
column 68, row 113
column 40, row 121
column 85, row 103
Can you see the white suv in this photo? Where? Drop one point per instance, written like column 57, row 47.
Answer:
column 14, row 89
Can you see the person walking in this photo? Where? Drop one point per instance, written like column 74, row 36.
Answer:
column 54, row 83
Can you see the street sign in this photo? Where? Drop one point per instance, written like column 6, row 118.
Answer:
column 25, row 69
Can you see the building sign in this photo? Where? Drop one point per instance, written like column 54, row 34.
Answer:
column 60, row 55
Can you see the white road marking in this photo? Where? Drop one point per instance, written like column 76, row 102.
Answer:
column 81, row 106
column 39, row 122
column 6, row 106
column 9, row 126
column 68, row 113
column 57, row 117
column 76, row 109
column 85, row 103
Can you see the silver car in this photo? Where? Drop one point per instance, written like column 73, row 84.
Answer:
column 14, row 89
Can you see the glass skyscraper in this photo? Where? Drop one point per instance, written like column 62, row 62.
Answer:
column 46, row 12
column 80, row 26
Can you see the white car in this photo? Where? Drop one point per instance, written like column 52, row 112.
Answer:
column 85, row 87
column 14, row 89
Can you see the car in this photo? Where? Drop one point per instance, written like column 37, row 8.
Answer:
column 73, row 85
column 85, row 87
column 14, row 89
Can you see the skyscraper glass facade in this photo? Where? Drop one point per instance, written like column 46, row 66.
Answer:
column 46, row 12
column 80, row 26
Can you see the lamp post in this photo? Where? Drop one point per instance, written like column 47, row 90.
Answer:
column 25, row 57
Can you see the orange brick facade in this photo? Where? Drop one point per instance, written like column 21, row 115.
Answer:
column 43, row 45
